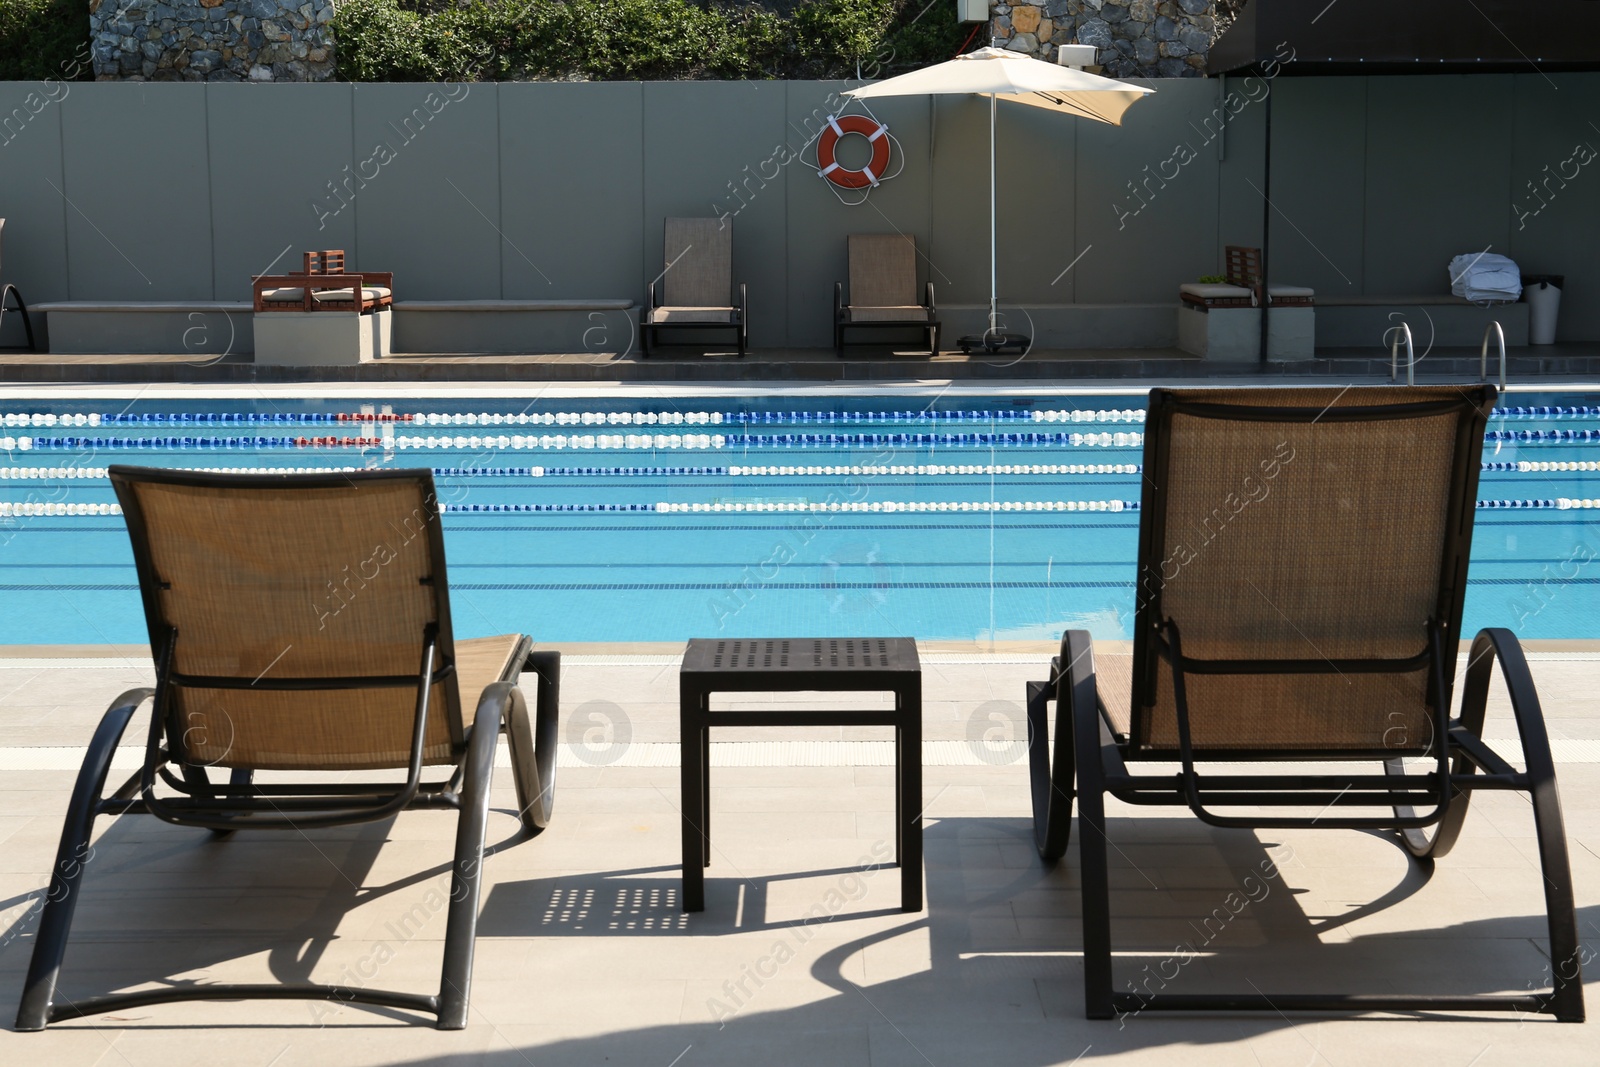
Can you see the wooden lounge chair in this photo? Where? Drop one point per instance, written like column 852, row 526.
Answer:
column 301, row 623
column 323, row 285
column 883, row 290
column 1302, row 567
column 9, row 292
column 1243, row 287
column 696, row 285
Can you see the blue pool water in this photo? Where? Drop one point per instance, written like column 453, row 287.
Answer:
column 627, row 520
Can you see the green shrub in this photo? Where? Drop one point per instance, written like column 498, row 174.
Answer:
column 599, row 40
column 379, row 40
column 42, row 39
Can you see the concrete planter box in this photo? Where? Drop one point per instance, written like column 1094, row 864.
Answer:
column 321, row 338
column 1233, row 335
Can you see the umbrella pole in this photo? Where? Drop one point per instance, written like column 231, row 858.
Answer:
column 994, row 285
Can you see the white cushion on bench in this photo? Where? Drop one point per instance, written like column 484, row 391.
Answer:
column 1215, row 291
column 283, row 296
column 344, row 296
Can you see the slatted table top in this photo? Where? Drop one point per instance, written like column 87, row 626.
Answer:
column 812, row 662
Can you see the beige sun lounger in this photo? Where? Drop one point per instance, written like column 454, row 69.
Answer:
column 301, row 623
column 696, row 285
column 1302, row 568
column 883, row 291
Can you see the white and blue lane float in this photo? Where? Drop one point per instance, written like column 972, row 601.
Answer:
column 570, row 418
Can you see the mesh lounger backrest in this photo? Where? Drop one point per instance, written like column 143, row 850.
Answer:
column 1321, row 540
column 699, row 263
column 883, row 270
column 294, row 577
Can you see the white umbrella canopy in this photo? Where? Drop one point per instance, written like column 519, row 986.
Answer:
column 1001, row 74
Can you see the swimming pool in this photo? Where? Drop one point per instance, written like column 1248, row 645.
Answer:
column 964, row 518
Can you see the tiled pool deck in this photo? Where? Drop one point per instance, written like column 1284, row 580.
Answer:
column 585, row 958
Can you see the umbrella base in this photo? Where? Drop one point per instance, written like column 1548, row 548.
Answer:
column 993, row 343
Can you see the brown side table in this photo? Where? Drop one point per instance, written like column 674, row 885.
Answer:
column 768, row 665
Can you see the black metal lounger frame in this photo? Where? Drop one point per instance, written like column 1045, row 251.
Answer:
column 243, row 804
column 650, row 331
column 931, row 326
column 1084, row 741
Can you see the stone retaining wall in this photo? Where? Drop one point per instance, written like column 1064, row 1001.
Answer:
column 1136, row 38
column 211, row 40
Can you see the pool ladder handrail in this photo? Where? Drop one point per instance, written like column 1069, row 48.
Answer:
column 1483, row 354
column 1399, row 331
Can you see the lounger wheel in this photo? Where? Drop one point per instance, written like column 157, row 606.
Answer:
column 1428, row 842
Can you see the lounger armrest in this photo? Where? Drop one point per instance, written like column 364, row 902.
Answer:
column 650, row 300
column 929, row 304
column 1051, row 768
column 1498, row 645
column 838, row 301
column 533, row 745
column 744, row 305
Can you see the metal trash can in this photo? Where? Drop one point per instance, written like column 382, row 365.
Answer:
column 1543, row 294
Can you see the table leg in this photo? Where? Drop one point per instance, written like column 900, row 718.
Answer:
column 705, row 790
column 909, row 801
column 692, row 800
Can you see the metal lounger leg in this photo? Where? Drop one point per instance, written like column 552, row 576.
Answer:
column 1051, row 774
column 466, row 874
column 72, row 855
column 1084, row 718
column 1566, row 1003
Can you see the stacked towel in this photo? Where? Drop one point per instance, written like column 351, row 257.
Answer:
column 1481, row 276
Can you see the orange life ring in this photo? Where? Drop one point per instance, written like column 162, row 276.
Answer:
column 876, row 133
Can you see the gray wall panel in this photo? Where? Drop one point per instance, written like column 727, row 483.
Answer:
column 182, row 191
column 431, row 211
column 1149, row 215
column 704, row 146
column 1437, row 177
column 819, row 223
column 271, row 201
column 34, row 256
column 1318, row 186
column 960, row 190
column 1037, row 157
column 138, row 189
column 1555, row 195
column 1234, row 144
column 572, row 191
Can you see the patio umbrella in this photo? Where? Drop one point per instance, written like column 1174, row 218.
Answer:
column 1000, row 74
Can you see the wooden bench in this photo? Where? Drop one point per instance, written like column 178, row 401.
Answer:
column 323, row 285
column 1243, row 287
